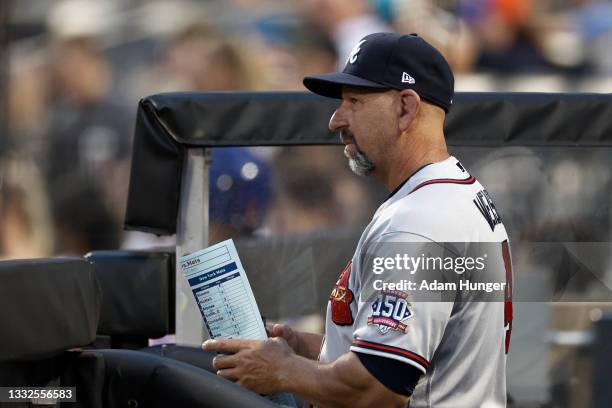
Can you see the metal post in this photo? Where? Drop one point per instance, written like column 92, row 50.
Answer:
column 191, row 235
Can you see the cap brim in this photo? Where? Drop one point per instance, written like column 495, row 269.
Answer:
column 330, row 85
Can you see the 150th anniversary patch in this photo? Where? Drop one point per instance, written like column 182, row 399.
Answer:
column 390, row 310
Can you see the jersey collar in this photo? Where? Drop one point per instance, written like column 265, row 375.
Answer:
column 445, row 169
column 398, row 188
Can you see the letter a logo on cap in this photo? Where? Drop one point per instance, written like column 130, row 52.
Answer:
column 407, row 78
column 353, row 56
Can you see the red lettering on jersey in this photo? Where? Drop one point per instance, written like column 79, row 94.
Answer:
column 341, row 298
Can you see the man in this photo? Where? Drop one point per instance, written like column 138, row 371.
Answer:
column 380, row 350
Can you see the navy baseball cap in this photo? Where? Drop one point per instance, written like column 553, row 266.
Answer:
column 391, row 61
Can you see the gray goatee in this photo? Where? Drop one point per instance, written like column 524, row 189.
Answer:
column 359, row 163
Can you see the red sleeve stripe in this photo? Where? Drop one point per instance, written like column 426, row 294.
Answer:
column 392, row 350
column 469, row 180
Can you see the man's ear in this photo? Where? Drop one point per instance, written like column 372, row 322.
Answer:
column 410, row 103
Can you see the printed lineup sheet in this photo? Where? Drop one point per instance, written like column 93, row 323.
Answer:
column 223, row 293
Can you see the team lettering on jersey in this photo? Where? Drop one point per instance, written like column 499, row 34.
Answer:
column 486, row 207
column 341, row 298
column 508, row 307
column 390, row 310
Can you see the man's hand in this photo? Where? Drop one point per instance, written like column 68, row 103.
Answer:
column 304, row 344
column 257, row 365
column 285, row 332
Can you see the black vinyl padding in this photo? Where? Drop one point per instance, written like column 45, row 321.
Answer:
column 137, row 292
column 154, row 381
column 190, row 355
column 46, row 307
column 127, row 378
column 168, row 124
column 84, row 371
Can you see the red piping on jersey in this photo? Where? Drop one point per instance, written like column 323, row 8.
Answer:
column 394, row 350
column 469, row 180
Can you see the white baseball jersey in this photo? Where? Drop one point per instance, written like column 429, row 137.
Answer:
column 459, row 347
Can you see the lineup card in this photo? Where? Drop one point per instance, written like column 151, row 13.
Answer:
column 223, row 293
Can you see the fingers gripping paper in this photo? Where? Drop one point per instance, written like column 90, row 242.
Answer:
column 223, row 293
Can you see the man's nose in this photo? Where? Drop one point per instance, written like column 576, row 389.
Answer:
column 337, row 121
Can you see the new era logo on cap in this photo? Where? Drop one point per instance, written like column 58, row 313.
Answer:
column 406, row 78
column 391, row 61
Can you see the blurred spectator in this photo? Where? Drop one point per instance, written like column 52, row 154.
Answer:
column 508, row 43
column 26, row 229
column 345, row 21
column 83, row 221
column 294, row 48
column 199, row 57
column 203, row 60
column 81, row 18
column 28, row 89
column 315, row 54
column 593, row 20
column 88, row 132
column 448, row 33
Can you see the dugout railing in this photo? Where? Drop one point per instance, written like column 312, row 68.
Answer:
column 169, row 183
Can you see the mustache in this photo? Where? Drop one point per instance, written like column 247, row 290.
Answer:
column 347, row 136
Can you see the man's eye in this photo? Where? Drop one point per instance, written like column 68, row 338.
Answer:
column 353, row 100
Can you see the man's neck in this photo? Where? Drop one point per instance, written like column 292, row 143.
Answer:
column 406, row 166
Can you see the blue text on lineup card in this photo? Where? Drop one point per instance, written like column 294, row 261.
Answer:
column 223, row 293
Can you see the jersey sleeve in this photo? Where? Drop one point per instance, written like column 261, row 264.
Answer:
column 390, row 322
column 397, row 376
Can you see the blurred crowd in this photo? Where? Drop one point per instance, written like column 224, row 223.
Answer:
column 74, row 71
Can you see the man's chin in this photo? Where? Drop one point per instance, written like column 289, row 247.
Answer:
column 359, row 169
